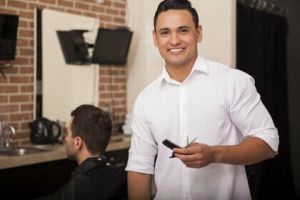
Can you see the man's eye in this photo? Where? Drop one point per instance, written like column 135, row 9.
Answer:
column 164, row 33
column 183, row 31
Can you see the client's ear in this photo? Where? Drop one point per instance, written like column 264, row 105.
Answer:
column 78, row 142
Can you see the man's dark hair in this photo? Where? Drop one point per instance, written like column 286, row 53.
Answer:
column 93, row 125
column 176, row 5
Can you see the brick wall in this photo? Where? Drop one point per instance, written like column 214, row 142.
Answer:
column 16, row 90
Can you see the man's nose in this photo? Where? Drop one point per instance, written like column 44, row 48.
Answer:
column 174, row 39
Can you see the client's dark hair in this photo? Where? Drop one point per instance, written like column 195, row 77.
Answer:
column 93, row 125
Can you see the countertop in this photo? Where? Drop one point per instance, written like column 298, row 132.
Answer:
column 56, row 152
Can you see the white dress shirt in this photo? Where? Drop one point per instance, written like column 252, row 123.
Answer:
column 215, row 103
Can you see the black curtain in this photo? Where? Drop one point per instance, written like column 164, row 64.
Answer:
column 261, row 52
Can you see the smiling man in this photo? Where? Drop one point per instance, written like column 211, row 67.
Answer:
column 194, row 99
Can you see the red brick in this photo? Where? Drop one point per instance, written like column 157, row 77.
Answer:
column 26, row 33
column 104, row 80
column 105, row 95
column 22, row 24
column 119, row 80
column 120, row 110
column 3, row 3
column 123, row 71
column 3, row 79
column 19, row 79
column 106, row 3
column 26, row 51
column 89, row 14
column 61, row 9
column 102, row 87
column 76, row 12
column 31, row 43
column 123, row 87
column 28, row 15
column 115, row 71
column 112, row 11
column 20, row 116
column 105, row 18
column 111, row 26
column 8, row 11
column 119, row 20
column 8, row 89
column 119, row 94
column 10, row 70
column 31, row 61
column 26, row 70
column 24, row 142
column 112, row 87
column 98, row 9
column 27, row 107
column 119, row 5
column 103, row 70
column 122, row 12
column 23, row 42
column 34, row 5
column 47, row 1
column 65, row 3
column 22, row 135
column 21, row 61
column 25, row 125
column 3, row 99
column 19, row 98
column 17, row 4
column 27, row 88
column 4, row 117
column 9, row 108
column 82, row 6
column 91, row 1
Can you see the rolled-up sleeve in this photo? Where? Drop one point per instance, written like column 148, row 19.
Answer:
column 143, row 148
column 247, row 111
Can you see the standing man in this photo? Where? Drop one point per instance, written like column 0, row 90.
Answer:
column 210, row 110
column 87, row 137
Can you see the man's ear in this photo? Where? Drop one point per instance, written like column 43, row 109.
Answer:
column 77, row 143
column 154, row 37
column 199, row 33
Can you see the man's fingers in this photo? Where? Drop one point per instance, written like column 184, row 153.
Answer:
column 191, row 149
column 187, row 157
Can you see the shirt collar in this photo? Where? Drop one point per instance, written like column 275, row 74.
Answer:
column 199, row 65
column 90, row 163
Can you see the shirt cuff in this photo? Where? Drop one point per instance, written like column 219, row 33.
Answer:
column 142, row 164
column 270, row 136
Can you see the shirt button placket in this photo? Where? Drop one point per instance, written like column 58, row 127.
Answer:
column 184, row 134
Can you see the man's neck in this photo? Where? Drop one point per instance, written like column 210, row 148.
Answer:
column 83, row 156
column 180, row 73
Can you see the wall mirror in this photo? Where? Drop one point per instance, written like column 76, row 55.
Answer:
column 60, row 87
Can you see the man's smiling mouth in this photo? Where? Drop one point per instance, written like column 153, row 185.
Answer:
column 176, row 50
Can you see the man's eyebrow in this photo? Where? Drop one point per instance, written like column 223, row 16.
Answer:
column 178, row 28
column 184, row 27
column 163, row 29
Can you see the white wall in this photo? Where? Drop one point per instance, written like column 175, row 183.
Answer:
column 144, row 63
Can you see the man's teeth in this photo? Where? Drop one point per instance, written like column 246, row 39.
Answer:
column 176, row 50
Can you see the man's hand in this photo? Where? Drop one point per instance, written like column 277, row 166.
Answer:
column 250, row 150
column 195, row 155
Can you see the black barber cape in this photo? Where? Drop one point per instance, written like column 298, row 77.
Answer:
column 94, row 179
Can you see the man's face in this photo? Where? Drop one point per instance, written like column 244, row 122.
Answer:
column 69, row 143
column 176, row 38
